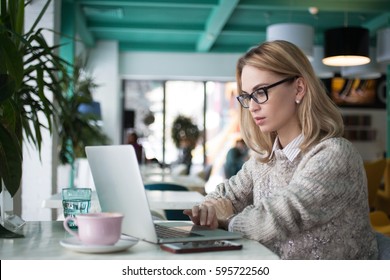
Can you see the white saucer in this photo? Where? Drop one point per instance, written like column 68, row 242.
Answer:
column 76, row 245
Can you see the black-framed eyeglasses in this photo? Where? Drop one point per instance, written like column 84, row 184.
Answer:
column 259, row 95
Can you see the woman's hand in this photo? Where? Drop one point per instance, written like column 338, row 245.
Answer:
column 211, row 213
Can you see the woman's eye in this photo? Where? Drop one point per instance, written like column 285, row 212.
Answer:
column 245, row 96
column 259, row 92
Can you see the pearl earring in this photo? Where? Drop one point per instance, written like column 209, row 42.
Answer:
column 297, row 101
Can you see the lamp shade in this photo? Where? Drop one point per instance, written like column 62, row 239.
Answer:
column 346, row 46
column 366, row 71
column 299, row 34
column 383, row 45
column 322, row 71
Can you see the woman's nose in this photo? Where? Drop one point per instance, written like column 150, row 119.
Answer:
column 253, row 106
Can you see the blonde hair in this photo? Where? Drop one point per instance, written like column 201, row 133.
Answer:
column 318, row 116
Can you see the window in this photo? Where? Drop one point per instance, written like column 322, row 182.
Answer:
column 211, row 105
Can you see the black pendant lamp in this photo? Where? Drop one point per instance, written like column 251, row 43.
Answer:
column 346, row 46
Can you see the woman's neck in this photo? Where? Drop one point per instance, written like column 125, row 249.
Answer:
column 286, row 138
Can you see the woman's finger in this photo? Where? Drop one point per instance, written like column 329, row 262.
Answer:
column 211, row 216
column 195, row 210
column 190, row 214
column 203, row 213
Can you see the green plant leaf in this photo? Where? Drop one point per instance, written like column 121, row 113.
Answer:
column 32, row 78
column 77, row 130
column 7, row 87
column 10, row 160
column 19, row 19
column 11, row 58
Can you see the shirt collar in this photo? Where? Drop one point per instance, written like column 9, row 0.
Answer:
column 292, row 150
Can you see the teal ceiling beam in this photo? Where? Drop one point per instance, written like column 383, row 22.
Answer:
column 82, row 30
column 378, row 22
column 98, row 25
column 156, row 47
column 218, row 18
column 145, row 29
column 374, row 6
column 153, row 3
column 324, row 5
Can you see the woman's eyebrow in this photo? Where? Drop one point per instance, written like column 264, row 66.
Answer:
column 255, row 87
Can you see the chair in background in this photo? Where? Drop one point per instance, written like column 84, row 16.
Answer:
column 380, row 222
column 374, row 172
column 205, row 172
column 170, row 214
column 179, row 169
column 383, row 246
column 383, row 196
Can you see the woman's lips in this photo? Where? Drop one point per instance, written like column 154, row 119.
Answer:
column 259, row 120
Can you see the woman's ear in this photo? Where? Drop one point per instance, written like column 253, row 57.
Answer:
column 300, row 88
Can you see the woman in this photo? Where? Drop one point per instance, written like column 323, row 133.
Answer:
column 304, row 193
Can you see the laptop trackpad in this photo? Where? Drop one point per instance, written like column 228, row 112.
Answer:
column 185, row 226
column 193, row 228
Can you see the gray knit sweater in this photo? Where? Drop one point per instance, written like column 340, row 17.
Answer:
column 315, row 207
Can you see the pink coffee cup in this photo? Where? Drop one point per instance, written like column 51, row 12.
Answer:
column 96, row 228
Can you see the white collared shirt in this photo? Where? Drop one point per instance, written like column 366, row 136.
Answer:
column 292, row 150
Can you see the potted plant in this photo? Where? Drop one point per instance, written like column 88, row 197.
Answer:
column 185, row 135
column 32, row 77
column 79, row 123
column 29, row 70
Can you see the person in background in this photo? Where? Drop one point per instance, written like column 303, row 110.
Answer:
column 185, row 155
column 132, row 139
column 235, row 158
column 303, row 193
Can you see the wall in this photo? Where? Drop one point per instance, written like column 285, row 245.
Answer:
column 181, row 66
column 371, row 150
column 104, row 64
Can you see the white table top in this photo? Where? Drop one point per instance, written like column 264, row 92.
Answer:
column 42, row 239
column 158, row 200
column 191, row 182
column 173, row 199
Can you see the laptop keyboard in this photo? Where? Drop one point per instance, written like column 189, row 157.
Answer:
column 166, row 232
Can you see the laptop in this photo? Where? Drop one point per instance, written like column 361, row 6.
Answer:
column 119, row 188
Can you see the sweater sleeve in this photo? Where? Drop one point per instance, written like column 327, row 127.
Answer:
column 326, row 181
column 239, row 188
